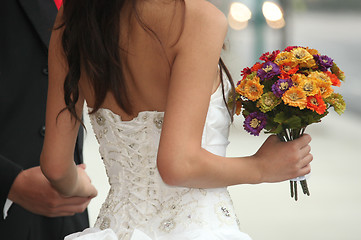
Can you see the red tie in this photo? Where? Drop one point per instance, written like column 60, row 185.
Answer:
column 58, row 3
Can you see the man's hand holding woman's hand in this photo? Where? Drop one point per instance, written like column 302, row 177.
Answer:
column 33, row 191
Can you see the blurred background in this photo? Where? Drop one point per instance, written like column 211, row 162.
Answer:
column 266, row 211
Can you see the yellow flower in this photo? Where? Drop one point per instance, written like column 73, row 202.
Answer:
column 295, row 97
column 303, row 58
column 284, row 58
column 325, row 89
column 309, row 86
column 297, row 79
column 321, row 76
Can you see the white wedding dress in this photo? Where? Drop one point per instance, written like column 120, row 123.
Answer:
column 140, row 206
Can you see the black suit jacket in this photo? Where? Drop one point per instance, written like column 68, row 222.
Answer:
column 25, row 29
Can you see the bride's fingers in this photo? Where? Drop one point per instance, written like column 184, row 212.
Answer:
column 305, row 151
column 305, row 161
column 302, row 141
column 305, row 170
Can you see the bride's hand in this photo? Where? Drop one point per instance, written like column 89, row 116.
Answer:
column 279, row 161
column 84, row 187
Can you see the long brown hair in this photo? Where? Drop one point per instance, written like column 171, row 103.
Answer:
column 91, row 44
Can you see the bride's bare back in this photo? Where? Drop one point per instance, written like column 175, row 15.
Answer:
column 151, row 47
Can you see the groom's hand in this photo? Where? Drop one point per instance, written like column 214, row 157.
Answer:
column 32, row 191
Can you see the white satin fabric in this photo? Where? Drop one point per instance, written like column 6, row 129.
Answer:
column 201, row 234
column 139, row 205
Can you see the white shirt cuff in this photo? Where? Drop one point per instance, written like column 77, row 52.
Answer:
column 7, row 205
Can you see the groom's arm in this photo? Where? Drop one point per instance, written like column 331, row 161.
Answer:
column 31, row 190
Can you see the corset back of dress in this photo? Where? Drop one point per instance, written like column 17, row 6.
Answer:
column 138, row 198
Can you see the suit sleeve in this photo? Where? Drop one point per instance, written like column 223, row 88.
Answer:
column 8, row 172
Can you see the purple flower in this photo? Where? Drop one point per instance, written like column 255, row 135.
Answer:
column 323, row 62
column 281, row 86
column 268, row 70
column 255, row 122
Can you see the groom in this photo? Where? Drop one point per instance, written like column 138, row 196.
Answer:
column 25, row 28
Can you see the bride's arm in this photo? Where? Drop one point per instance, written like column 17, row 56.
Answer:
column 57, row 157
column 181, row 160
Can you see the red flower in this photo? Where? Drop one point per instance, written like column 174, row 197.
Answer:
column 256, row 66
column 289, row 48
column 287, row 70
column 316, row 104
column 334, row 79
column 269, row 56
column 245, row 72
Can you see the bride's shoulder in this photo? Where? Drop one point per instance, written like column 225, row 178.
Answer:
column 204, row 13
column 204, row 25
column 171, row 17
column 203, row 8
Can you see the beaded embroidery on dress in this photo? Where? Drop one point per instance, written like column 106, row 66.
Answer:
column 139, row 205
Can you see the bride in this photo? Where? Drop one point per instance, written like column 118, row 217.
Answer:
column 151, row 74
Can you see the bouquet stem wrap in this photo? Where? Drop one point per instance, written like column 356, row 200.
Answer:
column 289, row 135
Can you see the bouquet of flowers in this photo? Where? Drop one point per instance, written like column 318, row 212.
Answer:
column 287, row 91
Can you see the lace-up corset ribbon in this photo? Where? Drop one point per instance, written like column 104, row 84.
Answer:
column 138, row 198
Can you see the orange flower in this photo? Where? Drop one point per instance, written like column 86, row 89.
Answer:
column 324, row 88
column 316, row 104
column 312, row 51
column 251, row 89
column 334, row 79
column 238, row 107
column 295, row 97
column 240, row 88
